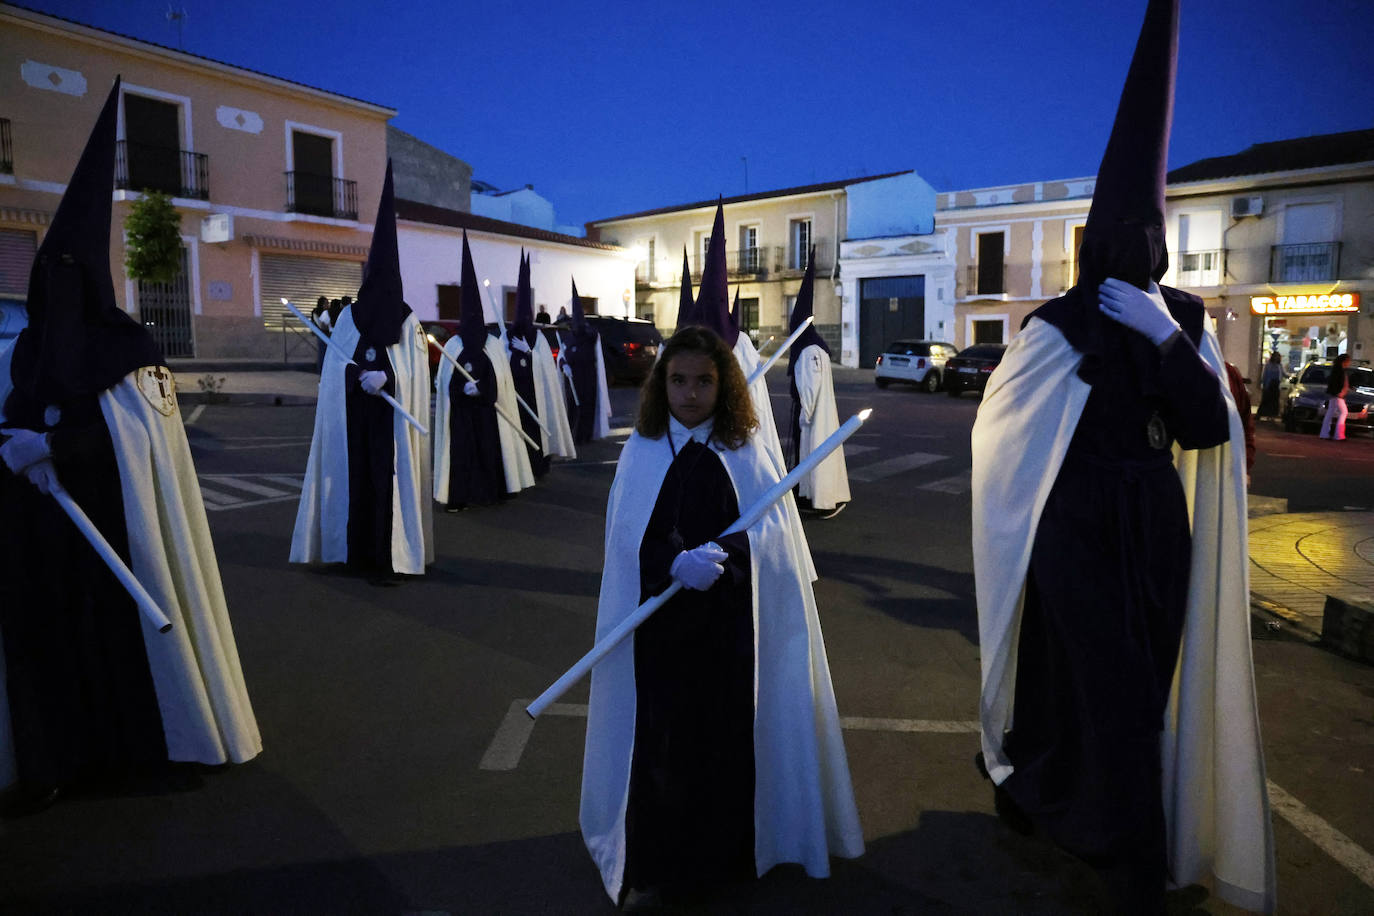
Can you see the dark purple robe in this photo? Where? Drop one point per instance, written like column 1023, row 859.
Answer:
column 522, row 372
column 476, row 474
column 580, row 354
column 371, row 461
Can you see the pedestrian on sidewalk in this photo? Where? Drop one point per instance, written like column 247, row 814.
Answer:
column 320, row 315
column 92, row 695
column 1337, row 387
column 713, row 748
column 1097, row 574
column 1270, row 379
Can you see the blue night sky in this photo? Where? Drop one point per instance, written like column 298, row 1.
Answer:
column 609, row 108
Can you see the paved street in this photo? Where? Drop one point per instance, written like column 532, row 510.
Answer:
column 399, row 775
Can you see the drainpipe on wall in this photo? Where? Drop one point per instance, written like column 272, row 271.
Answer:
column 836, row 266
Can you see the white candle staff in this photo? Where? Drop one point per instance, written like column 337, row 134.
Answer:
column 500, row 411
column 577, row 402
column 791, row 339
column 746, row 519
column 145, row 601
column 501, row 325
column 349, row 359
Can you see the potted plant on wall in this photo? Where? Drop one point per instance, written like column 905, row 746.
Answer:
column 153, row 239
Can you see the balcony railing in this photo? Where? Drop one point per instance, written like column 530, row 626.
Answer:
column 759, row 261
column 985, row 280
column 321, row 195
column 1200, row 268
column 1308, row 263
column 178, row 172
column 6, row 148
column 794, row 264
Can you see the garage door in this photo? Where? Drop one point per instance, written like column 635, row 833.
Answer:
column 17, row 249
column 890, row 308
column 303, row 280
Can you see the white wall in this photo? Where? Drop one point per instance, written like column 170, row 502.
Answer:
column 433, row 255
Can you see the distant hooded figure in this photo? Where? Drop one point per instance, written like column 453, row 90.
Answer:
column 89, row 690
column 365, row 501
column 523, row 337
column 478, row 458
column 585, row 367
column 1091, row 589
column 814, row 417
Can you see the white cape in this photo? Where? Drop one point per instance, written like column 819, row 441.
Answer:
column 201, row 695
column 1215, row 798
column 828, row 485
column 321, row 533
column 601, row 420
column 515, row 460
column 549, row 401
column 803, row 800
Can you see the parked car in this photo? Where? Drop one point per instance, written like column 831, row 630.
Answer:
column 1304, row 407
column 629, row 347
column 437, row 333
column 969, row 370
column 920, row 362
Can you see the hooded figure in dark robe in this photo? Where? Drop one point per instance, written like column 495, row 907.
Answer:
column 87, row 405
column 474, row 475
column 366, row 495
column 586, row 371
column 1088, row 577
column 524, row 337
column 814, row 416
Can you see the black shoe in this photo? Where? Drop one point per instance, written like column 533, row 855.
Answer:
column 25, row 800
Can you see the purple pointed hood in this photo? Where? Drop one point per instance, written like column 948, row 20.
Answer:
column 802, row 309
column 1124, row 235
column 78, row 340
column 686, row 305
column 381, row 307
column 472, row 320
column 523, row 326
column 713, row 297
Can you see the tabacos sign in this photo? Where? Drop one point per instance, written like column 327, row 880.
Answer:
column 1306, row 305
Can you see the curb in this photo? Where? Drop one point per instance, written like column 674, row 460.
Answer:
column 1281, row 622
column 243, row 398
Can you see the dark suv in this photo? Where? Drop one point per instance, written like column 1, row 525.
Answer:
column 628, row 345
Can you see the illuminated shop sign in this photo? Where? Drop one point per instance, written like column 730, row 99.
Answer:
column 1306, row 305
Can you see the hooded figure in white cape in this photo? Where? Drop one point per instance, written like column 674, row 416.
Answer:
column 589, row 399
column 366, row 498
column 526, row 362
column 713, row 747
column 479, row 456
column 1110, row 557
column 814, row 417
column 88, row 688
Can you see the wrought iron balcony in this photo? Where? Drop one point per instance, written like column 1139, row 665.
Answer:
column 6, row 148
column 795, row 263
column 758, row 261
column 178, row 172
column 985, row 280
column 1308, row 263
column 321, row 195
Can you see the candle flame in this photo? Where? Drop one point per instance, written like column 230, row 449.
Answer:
column 863, row 414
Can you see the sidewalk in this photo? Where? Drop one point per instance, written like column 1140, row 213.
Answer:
column 1296, row 560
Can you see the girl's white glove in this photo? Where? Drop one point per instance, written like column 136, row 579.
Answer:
column 700, row 567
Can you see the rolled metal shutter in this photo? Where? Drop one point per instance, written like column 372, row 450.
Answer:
column 303, row 281
column 17, row 250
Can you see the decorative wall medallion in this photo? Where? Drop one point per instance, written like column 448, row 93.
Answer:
column 53, row 79
column 249, row 122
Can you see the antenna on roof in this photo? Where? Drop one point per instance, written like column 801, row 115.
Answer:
column 177, row 16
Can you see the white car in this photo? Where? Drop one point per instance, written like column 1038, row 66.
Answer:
column 920, row 362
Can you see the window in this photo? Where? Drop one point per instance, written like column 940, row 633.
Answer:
column 1199, row 249
column 649, row 267
column 1309, row 252
column 749, row 249
column 149, row 157
column 312, row 174
column 703, row 247
column 799, row 238
column 987, row 332
column 450, row 299
column 749, row 316
column 989, row 271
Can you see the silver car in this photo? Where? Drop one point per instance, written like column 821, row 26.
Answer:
column 920, row 362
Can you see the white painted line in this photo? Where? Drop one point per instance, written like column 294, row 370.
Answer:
column 902, row 463
column 586, row 464
column 1330, row 840
column 515, row 729
column 248, row 503
column 622, row 430
column 959, row 483
column 215, row 499
column 195, row 415
column 238, row 483
column 285, row 480
column 852, row 450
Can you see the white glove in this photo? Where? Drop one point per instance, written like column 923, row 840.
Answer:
column 699, row 568
column 567, row 370
column 372, row 381
column 470, row 389
column 322, row 322
column 1140, row 310
column 42, row 475
column 23, row 448
column 518, row 343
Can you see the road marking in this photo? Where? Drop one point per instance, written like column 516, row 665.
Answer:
column 212, row 487
column 902, row 463
column 508, row 744
column 195, row 414
column 1327, row 838
column 959, row 483
column 852, row 450
column 622, row 430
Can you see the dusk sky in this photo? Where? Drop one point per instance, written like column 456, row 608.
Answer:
column 609, row 108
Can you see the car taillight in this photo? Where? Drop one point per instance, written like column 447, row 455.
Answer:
column 920, row 364
column 880, row 359
column 631, row 347
column 985, row 368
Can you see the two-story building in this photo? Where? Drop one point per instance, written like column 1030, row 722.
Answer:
column 768, row 235
column 276, row 182
column 1278, row 240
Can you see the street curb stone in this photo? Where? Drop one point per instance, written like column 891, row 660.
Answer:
column 1348, row 628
